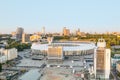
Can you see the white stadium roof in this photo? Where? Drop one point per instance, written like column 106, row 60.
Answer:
column 75, row 47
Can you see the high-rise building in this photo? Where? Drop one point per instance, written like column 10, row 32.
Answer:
column 43, row 30
column 25, row 38
column 102, row 60
column 19, row 33
column 66, row 32
column 78, row 32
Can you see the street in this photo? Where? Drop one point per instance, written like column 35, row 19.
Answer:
column 114, row 73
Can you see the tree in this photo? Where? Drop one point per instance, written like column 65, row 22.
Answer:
column 0, row 67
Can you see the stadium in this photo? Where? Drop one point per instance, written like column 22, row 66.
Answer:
column 58, row 50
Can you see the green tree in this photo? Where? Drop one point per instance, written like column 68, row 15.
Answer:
column 0, row 67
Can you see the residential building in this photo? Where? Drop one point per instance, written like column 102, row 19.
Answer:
column 43, row 31
column 25, row 38
column 10, row 53
column 78, row 32
column 102, row 60
column 3, row 58
column 13, row 34
column 7, row 54
column 66, row 32
column 19, row 33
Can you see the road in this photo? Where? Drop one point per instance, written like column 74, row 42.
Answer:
column 114, row 73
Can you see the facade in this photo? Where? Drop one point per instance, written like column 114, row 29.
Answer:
column 13, row 34
column 25, row 38
column 10, row 53
column 7, row 54
column 35, row 37
column 115, row 59
column 43, row 31
column 78, row 32
column 55, row 52
column 66, row 32
column 74, row 32
column 102, row 60
column 3, row 59
column 19, row 33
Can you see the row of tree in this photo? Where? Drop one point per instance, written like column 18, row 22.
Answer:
column 0, row 67
column 18, row 45
column 111, row 40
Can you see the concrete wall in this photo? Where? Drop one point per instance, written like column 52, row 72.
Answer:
column 9, row 53
column 107, row 63
column 3, row 59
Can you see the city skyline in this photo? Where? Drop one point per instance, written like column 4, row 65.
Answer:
column 59, row 40
column 89, row 16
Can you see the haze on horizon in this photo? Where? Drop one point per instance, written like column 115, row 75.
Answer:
column 32, row 15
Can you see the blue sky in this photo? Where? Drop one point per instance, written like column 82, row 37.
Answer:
column 32, row 15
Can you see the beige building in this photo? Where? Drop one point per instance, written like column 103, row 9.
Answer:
column 102, row 60
column 3, row 58
column 13, row 34
column 7, row 54
column 66, row 32
column 55, row 52
column 78, row 32
column 25, row 38
column 35, row 37
column 10, row 53
column 43, row 31
column 118, row 66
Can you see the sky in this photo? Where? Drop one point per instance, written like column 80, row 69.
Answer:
column 32, row 15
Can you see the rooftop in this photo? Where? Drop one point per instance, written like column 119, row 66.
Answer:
column 67, row 46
